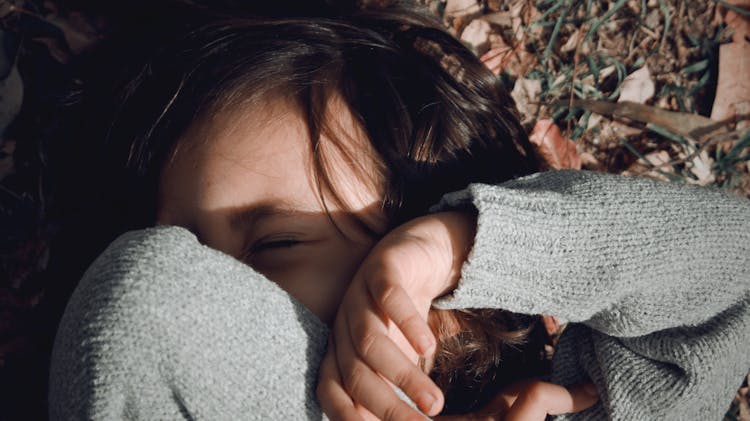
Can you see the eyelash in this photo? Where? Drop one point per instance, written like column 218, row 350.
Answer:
column 264, row 246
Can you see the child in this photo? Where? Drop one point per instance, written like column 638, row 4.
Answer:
column 423, row 127
column 331, row 131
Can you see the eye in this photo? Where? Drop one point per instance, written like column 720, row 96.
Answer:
column 264, row 246
column 276, row 244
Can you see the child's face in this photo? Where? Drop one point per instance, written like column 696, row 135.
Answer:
column 243, row 181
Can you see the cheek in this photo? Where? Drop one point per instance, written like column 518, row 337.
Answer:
column 317, row 278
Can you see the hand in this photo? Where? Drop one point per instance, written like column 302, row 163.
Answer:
column 532, row 401
column 380, row 327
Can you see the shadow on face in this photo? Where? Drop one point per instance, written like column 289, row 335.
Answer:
column 301, row 251
column 243, row 182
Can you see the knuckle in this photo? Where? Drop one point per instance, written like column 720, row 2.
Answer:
column 403, row 379
column 413, row 319
column 385, row 292
column 353, row 382
column 365, row 343
column 392, row 414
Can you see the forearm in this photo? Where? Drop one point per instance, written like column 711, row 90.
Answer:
column 689, row 373
column 627, row 256
column 657, row 274
column 161, row 327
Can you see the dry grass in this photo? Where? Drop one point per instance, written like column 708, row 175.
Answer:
column 560, row 55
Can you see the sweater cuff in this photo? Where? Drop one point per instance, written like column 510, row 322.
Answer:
column 518, row 234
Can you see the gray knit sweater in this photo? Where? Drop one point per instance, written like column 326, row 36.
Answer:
column 654, row 278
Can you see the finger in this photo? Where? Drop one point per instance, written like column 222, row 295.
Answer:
column 383, row 356
column 396, row 304
column 368, row 389
column 542, row 398
column 334, row 401
column 581, row 396
column 367, row 415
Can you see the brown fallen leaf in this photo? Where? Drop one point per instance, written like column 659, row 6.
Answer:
column 464, row 9
column 526, row 94
column 740, row 24
column 733, row 86
column 476, row 35
column 501, row 19
column 589, row 162
column 501, row 56
column 552, row 148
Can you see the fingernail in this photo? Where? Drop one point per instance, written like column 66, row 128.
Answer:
column 590, row 389
column 425, row 344
column 426, row 402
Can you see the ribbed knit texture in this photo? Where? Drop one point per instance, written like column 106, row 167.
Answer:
column 654, row 277
column 163, row 328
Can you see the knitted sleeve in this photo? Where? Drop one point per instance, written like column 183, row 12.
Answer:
column 654, row 276
column 162, row 327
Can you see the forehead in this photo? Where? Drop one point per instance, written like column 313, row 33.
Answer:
column 261, row 153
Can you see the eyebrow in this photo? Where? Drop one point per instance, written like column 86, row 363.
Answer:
column 249, row 218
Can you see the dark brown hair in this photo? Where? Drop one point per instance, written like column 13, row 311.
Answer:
column 436, row 117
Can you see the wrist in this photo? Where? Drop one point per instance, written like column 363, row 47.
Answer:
column 455, row 238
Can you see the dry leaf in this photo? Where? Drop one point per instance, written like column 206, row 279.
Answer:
column 502, row 57
column 552, row 148
column 733, row 87
column 526, row 94
column 655, row 159
column 637, row 87
column 594, row 121
column 589, row 161
column 501, row 19
column 702, row 169
column 477, row 36
column 572, row 42
column 740, row 24
column 464, row 9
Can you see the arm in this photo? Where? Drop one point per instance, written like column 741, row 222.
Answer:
column 161, row 327
column 657, row 275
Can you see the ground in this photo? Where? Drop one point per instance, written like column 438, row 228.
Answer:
column 655, row 88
